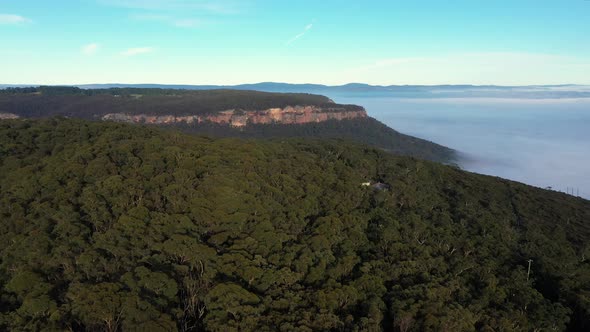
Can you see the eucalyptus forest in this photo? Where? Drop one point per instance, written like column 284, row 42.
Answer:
column 117, row 227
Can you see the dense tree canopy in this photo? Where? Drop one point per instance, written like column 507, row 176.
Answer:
column 362, row 130
column 108, row 227
column 90, row 104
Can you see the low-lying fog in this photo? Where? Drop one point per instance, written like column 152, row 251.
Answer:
column 542, row 142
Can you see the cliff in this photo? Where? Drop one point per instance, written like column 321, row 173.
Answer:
column 235, row 118
column 220, row 113
column 8, row 116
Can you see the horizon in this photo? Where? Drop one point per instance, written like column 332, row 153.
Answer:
column 229, row 42
column 5, row 85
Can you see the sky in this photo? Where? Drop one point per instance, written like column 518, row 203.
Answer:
column 516, row 42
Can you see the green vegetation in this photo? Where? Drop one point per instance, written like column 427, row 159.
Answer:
column 92, row 104
column 363, row 130
column 41, row 102
column 109, row 227
column 207, row 93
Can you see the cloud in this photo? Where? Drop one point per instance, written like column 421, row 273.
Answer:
column 151, row 17
column 137, row 51
column 170, row 20
column 188, row 23
column 305, row 30
column 13, row 19
column 501, row 68
column 219, row 6
column 178, row 13
column 90, row 49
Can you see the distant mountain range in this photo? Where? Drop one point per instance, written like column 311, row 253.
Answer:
column 402, row 91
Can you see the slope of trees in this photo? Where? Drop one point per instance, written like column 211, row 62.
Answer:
column 42, row 102
column 108, row 227
column 91, row 104
column 362, row 130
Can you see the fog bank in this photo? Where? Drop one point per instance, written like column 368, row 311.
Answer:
column 542, row 142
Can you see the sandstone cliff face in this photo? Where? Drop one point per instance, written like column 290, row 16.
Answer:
column 8, row 116
column 287, row 115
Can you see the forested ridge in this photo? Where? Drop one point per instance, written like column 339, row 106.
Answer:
column 92, row 104
column 362, row 130
column 47, row 101
column 115, row 227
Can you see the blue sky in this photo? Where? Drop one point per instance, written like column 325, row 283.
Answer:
column 515, row 42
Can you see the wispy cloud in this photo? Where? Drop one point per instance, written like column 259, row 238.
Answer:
column 178, row 13
column 90, row 49
column 13, row 19
column 188, row 23
column 218, row 6
column 150, row 17
column 170, row 20
column 503, row 68
column 137, row 51
column 305, row 31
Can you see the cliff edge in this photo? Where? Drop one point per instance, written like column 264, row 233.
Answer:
column 220, row 113
column 239, row 118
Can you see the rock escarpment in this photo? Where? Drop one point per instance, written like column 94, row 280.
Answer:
column 8, row 116
column 220, row 113
column 239, row 118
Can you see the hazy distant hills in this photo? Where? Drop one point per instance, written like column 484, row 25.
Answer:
column 405, row 91
column 402, row 91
